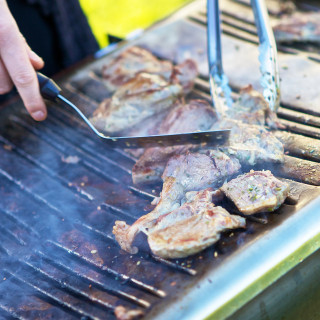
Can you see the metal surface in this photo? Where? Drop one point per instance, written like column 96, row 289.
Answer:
column 61, row 191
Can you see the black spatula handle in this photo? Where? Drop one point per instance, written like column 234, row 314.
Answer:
column 48, row 88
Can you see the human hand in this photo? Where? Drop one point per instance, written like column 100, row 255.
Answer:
column 18, row 64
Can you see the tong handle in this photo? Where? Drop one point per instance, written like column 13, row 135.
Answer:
column 48, row 88
column 214, row 37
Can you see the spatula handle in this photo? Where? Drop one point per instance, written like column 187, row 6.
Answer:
column 48, row 88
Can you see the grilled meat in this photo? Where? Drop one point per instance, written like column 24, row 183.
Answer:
column 196, row 202
column 252, row 108
column 135, row 60
column 298, row 27
column 196, row 171
column 256, row 191
column 193, row 116
column 135, row 101
column 249, row 140
column 191, row 235
column 251, row 144
column 183, row 173
column 170, row 199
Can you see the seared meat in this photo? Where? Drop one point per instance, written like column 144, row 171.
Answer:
column 216, row 195
column 135, row 101
column 185, row 74
column 189, row 228
column 189, row 172
column 196, row 171
column 256, row 191
column 252, row 108
column 298, row 27
column 135, row 60
column 193, row 116
column 197, row 201
column 191, row 235
column 251, row 144
column 249, row 140
column 125, row 234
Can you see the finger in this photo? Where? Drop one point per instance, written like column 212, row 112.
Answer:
column 16, row 60
column 36, row 61
column 5, row 81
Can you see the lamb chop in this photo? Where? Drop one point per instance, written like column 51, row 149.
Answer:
column 134, row 60
column 298, row 27
column 256, row 191
column 251, row 144
column 135, row 101
column 191, row 228
column 252, row 108
column 190, row 117
column 249, row 140
column 196, row 201
column 183, row 173
column 191, row 235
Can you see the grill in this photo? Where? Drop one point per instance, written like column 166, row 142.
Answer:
column 61, row 191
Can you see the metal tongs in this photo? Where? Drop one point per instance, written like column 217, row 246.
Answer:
column 219, row 87
column 51, row 91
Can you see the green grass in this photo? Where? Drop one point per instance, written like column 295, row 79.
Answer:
column 120, row 17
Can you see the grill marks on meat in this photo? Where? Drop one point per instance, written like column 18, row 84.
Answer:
column 256, row 191
column 135, row 101
column 196, row 171
column 298, row 27
column 135, row 60
column 251, row 144
column 183, row 173
column 191, row 228
column 252, row 108
column 190, row 117
column 143, row 87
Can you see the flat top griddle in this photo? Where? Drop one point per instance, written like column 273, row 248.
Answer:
column 61, row 191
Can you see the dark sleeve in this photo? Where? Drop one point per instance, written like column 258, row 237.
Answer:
column 55, row 29
column 76, row 38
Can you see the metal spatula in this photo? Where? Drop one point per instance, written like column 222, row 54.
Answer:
column 51, row 91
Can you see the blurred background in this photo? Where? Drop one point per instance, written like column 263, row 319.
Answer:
column 119, row 18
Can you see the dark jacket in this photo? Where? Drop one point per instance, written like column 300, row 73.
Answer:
column 63, row 21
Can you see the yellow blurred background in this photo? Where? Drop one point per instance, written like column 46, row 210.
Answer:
column 120, row 17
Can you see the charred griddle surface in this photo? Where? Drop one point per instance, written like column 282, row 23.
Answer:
column 61, row 191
